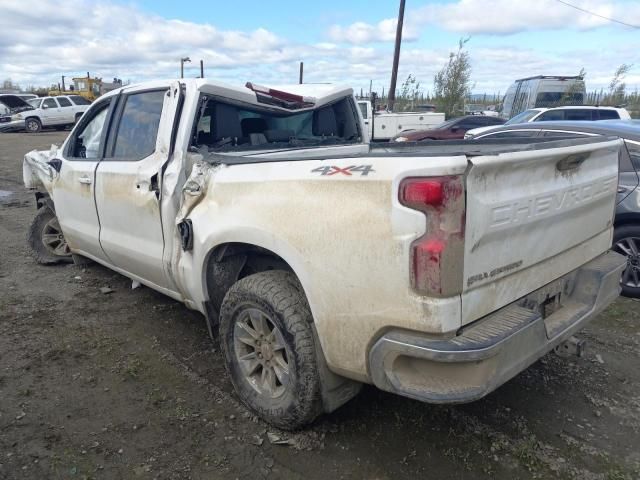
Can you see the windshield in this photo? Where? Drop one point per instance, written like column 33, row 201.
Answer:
column 226, row 127
column 522, row 117
column 35, row 102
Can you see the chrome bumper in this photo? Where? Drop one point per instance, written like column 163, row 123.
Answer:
column 497, row 347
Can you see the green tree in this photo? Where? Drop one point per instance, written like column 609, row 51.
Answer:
column 617, row 87
column 452, row 84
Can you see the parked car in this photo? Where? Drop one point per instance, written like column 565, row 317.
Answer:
column 575, row 113
column 450, row 130
column 321, row 261
column 626, row 235
column 542, row 91
column 58, row 112
column 12, row 105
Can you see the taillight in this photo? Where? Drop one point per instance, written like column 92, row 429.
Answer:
column 437, row 258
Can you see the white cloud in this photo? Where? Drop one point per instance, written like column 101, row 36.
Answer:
column 495, row 17
column 110, row 39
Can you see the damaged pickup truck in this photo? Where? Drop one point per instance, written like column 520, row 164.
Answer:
column 321, row 262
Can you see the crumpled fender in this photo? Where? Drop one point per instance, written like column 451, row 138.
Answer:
column 37, row 174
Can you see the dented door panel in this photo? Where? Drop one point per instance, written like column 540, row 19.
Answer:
column 128, row 186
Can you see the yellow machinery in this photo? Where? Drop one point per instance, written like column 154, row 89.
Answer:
column 87, row 87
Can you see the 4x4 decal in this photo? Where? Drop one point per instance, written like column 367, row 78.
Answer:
column 333, row 170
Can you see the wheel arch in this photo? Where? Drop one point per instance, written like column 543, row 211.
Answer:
column 228, row 261
column 629, row 218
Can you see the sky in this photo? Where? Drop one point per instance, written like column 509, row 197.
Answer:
column 342, row 42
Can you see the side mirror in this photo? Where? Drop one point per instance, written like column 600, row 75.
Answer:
column 455, row 129
column 45, row 106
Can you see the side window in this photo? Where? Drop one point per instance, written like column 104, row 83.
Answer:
column 578, row 114
column 557, row 133
column 64, row 102
column 608, row 114
column 86, row 143
column 78, row 100
column 512, row 134
column 138, row 126
column 363, row 109
column 50, row 103
column 550, row 116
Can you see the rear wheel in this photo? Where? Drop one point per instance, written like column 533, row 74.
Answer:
column 32, row 125
column 267, row 339
column 46, row 239
column 626, row 241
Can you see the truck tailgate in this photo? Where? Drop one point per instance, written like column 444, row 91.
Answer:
column 533, row 216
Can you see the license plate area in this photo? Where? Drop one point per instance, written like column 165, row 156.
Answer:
column 549, row 300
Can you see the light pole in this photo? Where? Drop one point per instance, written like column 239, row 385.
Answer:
column 396, row 58
column 182, row 62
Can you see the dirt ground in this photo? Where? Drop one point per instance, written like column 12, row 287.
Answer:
column 128, row 385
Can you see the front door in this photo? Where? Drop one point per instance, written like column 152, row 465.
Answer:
column 52, row 114
column 73, row 190
column 128, row 184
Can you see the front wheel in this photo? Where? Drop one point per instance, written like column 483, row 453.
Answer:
column 626, row 241
column 267, row 339
column 46, row 239
column 32, row 125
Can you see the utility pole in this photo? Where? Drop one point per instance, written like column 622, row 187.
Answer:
column 396, row 58
column 301, row 72
column 63, row 89
column 201, row 69
column 182, row 62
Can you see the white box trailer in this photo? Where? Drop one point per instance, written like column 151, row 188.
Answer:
column 386, row 125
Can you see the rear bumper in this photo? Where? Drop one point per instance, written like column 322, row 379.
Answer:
column 497, row 347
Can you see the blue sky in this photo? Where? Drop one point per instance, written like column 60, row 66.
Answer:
column 340, row 42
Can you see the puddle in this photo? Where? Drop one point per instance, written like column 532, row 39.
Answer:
column 5, row 193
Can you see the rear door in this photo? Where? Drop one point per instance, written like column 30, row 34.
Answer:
column 66, row 110
column 128, row 183
column 533, row 216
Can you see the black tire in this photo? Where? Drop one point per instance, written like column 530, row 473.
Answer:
column 32, row 125
column 47, row 251
column 278, row 296
column 626, row 241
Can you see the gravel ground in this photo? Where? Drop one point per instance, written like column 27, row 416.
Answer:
column 128, row 385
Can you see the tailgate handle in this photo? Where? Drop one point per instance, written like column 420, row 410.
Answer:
column 572, row 161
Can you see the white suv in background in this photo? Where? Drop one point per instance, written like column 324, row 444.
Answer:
column 574, row 112
column 56, row 112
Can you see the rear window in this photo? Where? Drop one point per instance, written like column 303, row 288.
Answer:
column 78, row 100
column 226, row 127
column 608, row 115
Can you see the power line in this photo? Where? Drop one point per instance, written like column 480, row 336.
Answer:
column 598, row 15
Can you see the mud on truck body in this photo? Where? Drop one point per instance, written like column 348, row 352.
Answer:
column 320, row 262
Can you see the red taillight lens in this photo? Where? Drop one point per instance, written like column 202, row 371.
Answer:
column 437, row 256
column 417, row 194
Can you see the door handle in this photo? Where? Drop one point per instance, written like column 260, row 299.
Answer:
column 85, row 180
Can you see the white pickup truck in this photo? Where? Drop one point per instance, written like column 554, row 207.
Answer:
column 322, row 262
column 383, row 126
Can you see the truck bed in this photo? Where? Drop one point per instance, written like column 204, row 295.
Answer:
column 435, row 148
